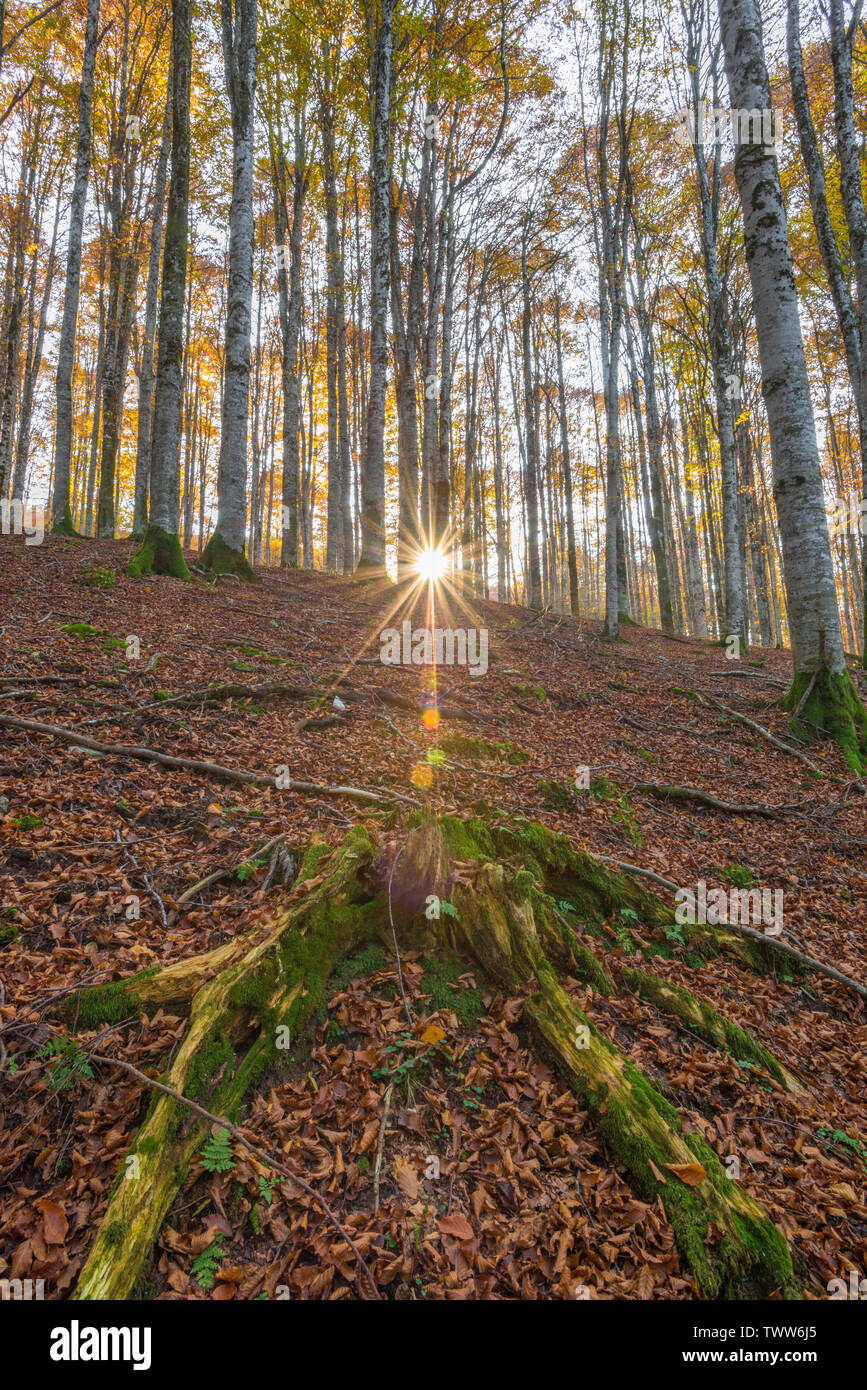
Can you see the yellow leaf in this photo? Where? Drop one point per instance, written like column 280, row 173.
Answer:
column 432, row 1034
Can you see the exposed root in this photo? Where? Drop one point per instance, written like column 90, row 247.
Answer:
column 720, row 1032
column 210, row 770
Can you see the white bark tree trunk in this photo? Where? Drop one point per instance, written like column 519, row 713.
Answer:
column 60, row 512
column 807, row 565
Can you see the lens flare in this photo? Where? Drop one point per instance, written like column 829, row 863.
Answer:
column 431, row 565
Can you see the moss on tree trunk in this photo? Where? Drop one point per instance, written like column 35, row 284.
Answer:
column 221, row 558
column 834, row 706
column 160, row 553
column 66, row 526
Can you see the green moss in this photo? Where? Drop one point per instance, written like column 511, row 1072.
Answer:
column 467, row 840
column 702, row 1018
column 82, row 630
column 738, row 875
column 160, row 553
column 535, row 690
column 102, row 1004
column 364, row 962
column 443, row 971
column 65, row 527
column 216, row 1054
column 116, row 1233
column 556, row 796
column 463, row 746
column 833, row 706
column 220, row 558
column 98, row 577
column 595, row 891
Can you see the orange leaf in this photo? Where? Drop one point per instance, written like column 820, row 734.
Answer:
column 432, row 1034
column 457, row 1226
column 407, row 1178
column 690, row 1173
column 54, row 1221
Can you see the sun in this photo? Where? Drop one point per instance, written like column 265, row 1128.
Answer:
column 431, row 565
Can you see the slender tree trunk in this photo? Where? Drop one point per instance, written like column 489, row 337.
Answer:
column 31, row 376
column 225, row 550
column 571, row 559
column 146, row 377
column 60, row 512
column 161, row 549
column 373, row 464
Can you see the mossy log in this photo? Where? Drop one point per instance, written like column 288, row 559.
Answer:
column 501, row 881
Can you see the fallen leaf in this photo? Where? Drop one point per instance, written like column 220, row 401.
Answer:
column 432, row 1034
column 457, row 1226
column 54, row 1221
column 690, row 1173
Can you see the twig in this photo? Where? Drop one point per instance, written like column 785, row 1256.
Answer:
column 766, row 733
column 379, row 1148
column 153, row 755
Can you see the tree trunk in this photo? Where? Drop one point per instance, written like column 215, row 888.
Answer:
column 146, row 376
column 372, row 557
column 60, row 511
column 161, row 549
column 814, row 619
column 224, row 553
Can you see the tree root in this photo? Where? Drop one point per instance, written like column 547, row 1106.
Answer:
column 700, row 798
column 221, row 558
column 828, row 701
column 760, row 729
column 160, row 553
column 280, row 981
column 717, row 1030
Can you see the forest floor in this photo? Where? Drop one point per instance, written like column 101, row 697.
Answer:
column 492, row 1180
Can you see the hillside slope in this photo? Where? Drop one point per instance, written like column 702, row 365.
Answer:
column 473, row 1171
